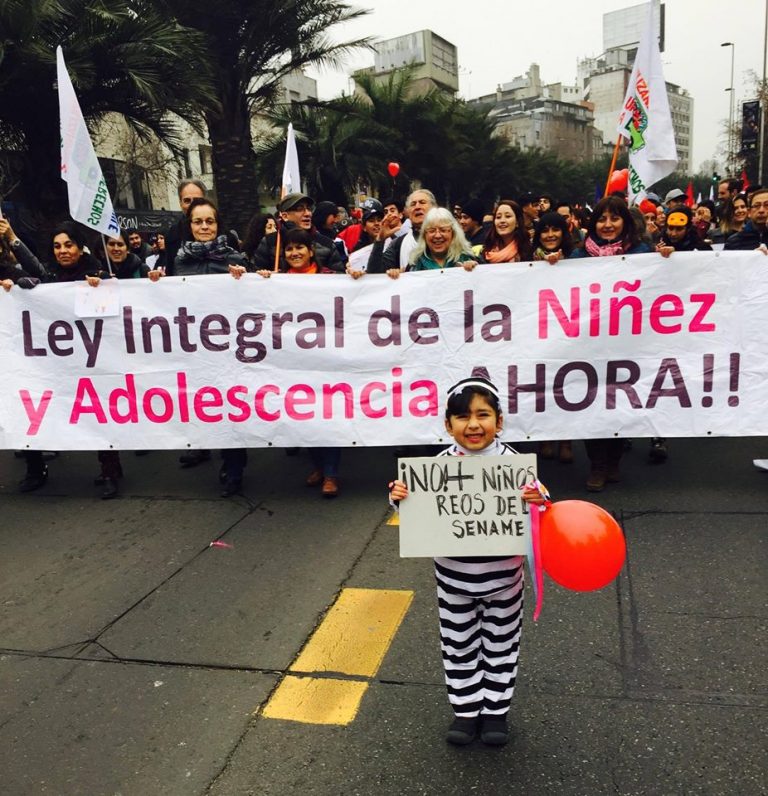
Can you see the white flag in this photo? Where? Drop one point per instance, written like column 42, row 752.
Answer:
column 291, row 177
column 711, row 193
column 645, row 118
column 89, row 200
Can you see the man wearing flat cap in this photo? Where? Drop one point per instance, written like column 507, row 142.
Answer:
column 296, row 211
column 674, row 198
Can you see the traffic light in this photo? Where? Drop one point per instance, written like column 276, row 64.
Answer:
column 715, row 177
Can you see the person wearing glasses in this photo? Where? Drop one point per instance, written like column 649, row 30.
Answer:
column 208, row 252
column 754, row 233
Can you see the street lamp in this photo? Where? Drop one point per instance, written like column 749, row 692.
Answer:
column 731, row 137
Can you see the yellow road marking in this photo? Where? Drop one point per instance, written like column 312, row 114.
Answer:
column 356, row 632
column 352, row 639
column 315, row 700
column 394, row 519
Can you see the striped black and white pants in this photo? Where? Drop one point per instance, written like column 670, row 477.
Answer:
column 480, row 643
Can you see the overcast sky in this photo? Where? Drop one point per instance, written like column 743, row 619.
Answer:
column 498, row 40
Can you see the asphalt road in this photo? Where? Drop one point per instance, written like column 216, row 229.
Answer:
column 136, row 659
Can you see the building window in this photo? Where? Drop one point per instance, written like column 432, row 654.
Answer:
column 187, row 164
column 127, row 183
column 206, row 159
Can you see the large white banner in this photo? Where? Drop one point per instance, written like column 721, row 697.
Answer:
column 638, row 346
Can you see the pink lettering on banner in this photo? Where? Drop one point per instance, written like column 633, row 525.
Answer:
column 659, row 313
column 294, row 399
column 166, row 413
column 429, row 401
column 127, row 394
column 208, row 398
column 238, row 403
column 345, row 389
column 86, row 403
column 706, row 302
column 634, row 303
column 35, row 414
column 259, row 406
column 365, row 399
column 568, row 323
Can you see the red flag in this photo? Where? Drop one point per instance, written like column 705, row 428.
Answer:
column 689, row 202
column 744, row 180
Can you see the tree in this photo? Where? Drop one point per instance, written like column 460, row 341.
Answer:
column 123, row 56
column 251, row 45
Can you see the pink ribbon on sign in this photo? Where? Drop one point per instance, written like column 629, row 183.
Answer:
column 534, row 554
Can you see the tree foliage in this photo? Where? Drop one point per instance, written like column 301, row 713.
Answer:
column 122, row 55
column 439, row 141
column 251, row 45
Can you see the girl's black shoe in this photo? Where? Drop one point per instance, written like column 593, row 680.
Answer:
column 462, row 731
column 494, row 730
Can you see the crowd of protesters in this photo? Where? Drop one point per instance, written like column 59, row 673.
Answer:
column 386, row 236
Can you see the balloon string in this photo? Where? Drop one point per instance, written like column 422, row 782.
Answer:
column 534, row 554
column 536, row 570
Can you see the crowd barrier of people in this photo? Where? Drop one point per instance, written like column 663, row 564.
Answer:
column 387, row 236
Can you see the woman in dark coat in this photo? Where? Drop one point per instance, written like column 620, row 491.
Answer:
column 611, row 231
column 71, row 263
column 207, row 252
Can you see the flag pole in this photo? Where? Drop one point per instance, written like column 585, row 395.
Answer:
column 613, row 163
column 106, row 254
column 277, row 239
column 291, row 180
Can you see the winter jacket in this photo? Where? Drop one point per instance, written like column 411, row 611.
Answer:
column 131, row 268
column 690, row 243
column 212, row 257
column 382, row 260
column 87, row 265
column 748, row 239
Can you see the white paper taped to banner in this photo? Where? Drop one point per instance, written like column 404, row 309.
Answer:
column 638, row 346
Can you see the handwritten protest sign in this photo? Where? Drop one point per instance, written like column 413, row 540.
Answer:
column 620, row 346
column 465, row 506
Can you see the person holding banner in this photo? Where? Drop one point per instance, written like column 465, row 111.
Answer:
column 441, row 244
column 299, row 258
column 480, row 600
column 125, row 264
column 552, row 239
column 611, row 231
column 296, row 211
column 18, row 266
column 209, row 253
column 179, row 232
column 397, row 254
column 680, row 235
column 71, row 263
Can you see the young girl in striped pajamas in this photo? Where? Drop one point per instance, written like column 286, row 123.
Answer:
column 480, row 600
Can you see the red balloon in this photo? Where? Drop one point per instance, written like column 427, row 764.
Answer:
column 618, row 181
column 393, row 169
column 582, row 546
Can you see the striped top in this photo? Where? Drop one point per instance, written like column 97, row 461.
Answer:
column 485, row 575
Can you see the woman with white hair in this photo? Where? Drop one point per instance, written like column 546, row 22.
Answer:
column 441, row 245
